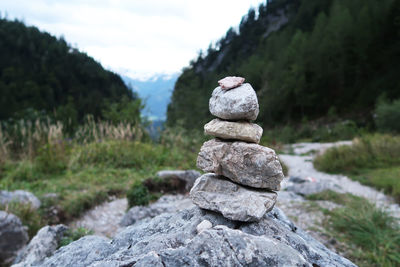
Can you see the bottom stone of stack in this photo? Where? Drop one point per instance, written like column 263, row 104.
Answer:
column 234, row 202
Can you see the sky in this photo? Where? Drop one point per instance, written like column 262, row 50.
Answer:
column 137, row 38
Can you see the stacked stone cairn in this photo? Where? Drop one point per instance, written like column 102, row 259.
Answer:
column 242, row 176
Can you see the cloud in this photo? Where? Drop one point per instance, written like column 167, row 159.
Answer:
column 138, row 37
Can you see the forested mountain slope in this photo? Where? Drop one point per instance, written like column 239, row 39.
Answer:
column 304, row 58
column 40, row 72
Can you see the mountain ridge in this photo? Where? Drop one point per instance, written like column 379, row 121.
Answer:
column 330, row 57
column 42, row 73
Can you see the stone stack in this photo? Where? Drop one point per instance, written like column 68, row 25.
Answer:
column 242, row 176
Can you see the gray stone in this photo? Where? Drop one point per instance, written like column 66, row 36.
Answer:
column 166, row 204
column 19, row 196
column 172, row 240
column 188, row 176
column 239, row 103
column 42, row 245
column 233, row 201
column 308, row 188
column 247, row 164
column 13, row 237
column 241, row 130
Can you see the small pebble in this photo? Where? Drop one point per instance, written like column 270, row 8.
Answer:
column 204, row 225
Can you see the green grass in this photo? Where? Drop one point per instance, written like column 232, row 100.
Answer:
column 372, row 234
column 72, row 235
column 387, row 179
column 373, row 160
column 90, row 173
column 337, row 198
column 374, row 151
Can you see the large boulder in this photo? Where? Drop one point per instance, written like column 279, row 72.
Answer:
column 13, row 237
column 172, row 240
column 42, row 245
column 247, row 164
column 233, row 201
column 241, row 130
column 239, row 103
column 19, row 196
column 188, row 176
column 166, row 204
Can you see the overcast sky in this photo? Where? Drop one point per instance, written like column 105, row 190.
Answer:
column 137, row 38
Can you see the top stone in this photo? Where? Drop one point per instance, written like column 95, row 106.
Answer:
column 237, row 104
column 230, row 82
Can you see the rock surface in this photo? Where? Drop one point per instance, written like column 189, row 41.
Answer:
column 42, row 245
column 188, row 176
column 230, row 82
column 241, row 130
column 13, row 236
column 172, row 240
column 166, row 204
column 237, row 104
column 247, row 164
column 19, row 196
column 235, row 202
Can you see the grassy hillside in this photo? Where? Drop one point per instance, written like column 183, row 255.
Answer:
column 306, row 59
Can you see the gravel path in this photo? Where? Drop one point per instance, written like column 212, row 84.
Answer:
column 301, row 165
column 104, row 219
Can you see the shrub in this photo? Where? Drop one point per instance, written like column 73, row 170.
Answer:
column 72, row 235
column 138, row 194
column 388, row 116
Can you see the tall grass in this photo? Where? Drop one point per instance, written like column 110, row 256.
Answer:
column 371, row 233
column 24, row 139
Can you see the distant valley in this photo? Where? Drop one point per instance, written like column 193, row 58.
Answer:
column 155, row 92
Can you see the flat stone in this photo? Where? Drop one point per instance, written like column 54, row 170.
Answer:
column 244, row 163
column 241, row 130
column 234, row 202
column 230, row 82
column 237, row 104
